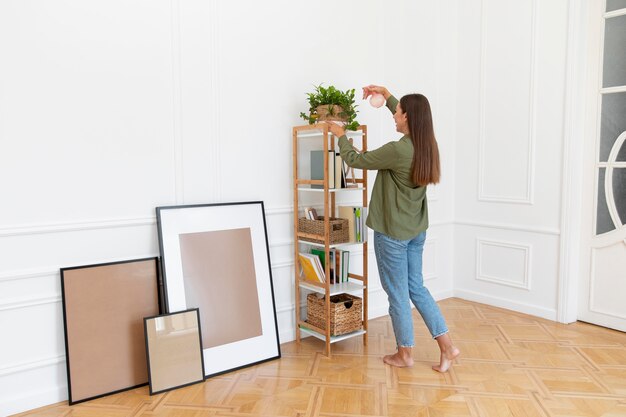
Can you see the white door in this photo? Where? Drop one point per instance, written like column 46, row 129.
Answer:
column 603, row 256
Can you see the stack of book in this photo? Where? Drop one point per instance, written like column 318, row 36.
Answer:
column 336, row 169
column 312, row 269
column 310, row 213
column 339, row 263
column 314, row 264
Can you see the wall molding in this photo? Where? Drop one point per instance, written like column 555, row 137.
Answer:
column 55, row 272
column 480, row 276
column 279, row 210
column 29, row 302
column 440, row 223
column 281, row 243
column 529, row 197
column 86, row 225
column 533, row 310
column 430, row 277
column 432, row 242
column 510, row 226
column 283, row 264
column 177, row 130
column 215, row 101
column 30, row 365
column 61, row 227
column 29, row 274
column 432, row 194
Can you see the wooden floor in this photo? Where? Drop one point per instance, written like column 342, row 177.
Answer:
column 510, row 365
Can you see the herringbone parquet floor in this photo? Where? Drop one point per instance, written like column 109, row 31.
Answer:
column 510, row 365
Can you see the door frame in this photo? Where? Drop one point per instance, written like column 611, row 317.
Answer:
column 574, row 125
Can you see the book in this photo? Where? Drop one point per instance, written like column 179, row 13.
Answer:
column 349, row 177
column 331, row 264
column 320, row 271
column 345, row 265
column 357, row 224
column 321, row 253
column 347, row 212
column 356, row 216
column 310, row 213
column 338, row 272
column 310, row 267
column 363, row 225
column 360, row 214
column 317, row 168
column 340, row 175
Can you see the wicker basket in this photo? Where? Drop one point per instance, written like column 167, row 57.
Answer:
column 338, row 229
column 331, row 112
column 345, row 313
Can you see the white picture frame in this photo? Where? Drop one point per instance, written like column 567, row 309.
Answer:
column 215, row 257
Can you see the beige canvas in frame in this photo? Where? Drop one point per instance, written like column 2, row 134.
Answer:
column 219, row 278
column 104, row 307
column 174, row 350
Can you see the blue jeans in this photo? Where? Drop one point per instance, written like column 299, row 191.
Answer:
column 400, row 270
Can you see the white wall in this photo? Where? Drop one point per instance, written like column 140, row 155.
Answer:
column 510, row 116
column 109, row 110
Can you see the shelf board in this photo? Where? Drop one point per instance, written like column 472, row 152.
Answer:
column 331, row 246
column 312, row 133
column 333, row 339
column 340, row 288
column 331, row 190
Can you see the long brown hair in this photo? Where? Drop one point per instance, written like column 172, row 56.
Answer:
column 425, row 168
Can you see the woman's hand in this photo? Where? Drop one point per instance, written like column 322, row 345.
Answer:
column 335, row 129
column 375, row 89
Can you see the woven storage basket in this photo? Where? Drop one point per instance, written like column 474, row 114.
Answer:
column 338, row 229
column 345, row 313
column 330, row 112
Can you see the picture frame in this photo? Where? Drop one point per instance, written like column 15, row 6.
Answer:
column 174, row 350
column 215, row 257
column 103, row 310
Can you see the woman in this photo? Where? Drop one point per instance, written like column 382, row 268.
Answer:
column 398, row 214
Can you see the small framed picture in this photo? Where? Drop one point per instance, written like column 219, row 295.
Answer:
column 216, row 258
column 174, row 350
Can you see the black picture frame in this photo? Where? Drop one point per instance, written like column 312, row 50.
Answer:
column 173, row 344
column 103, row 309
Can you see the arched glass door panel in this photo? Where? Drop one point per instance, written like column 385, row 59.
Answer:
column 613, row 121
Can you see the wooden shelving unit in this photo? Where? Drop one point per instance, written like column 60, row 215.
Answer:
column 356, row 283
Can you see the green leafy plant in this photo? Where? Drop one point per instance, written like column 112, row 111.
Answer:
column 328, row 97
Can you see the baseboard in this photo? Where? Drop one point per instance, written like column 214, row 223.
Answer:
column 32, row 401
column 442, row 295
column 546, row 313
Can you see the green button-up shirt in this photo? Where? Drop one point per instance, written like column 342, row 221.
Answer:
column 398, row 208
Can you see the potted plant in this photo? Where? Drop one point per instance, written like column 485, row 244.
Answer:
column 332, row 104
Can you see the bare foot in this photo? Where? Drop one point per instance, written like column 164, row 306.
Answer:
column 398, row 360
column 445, row 362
